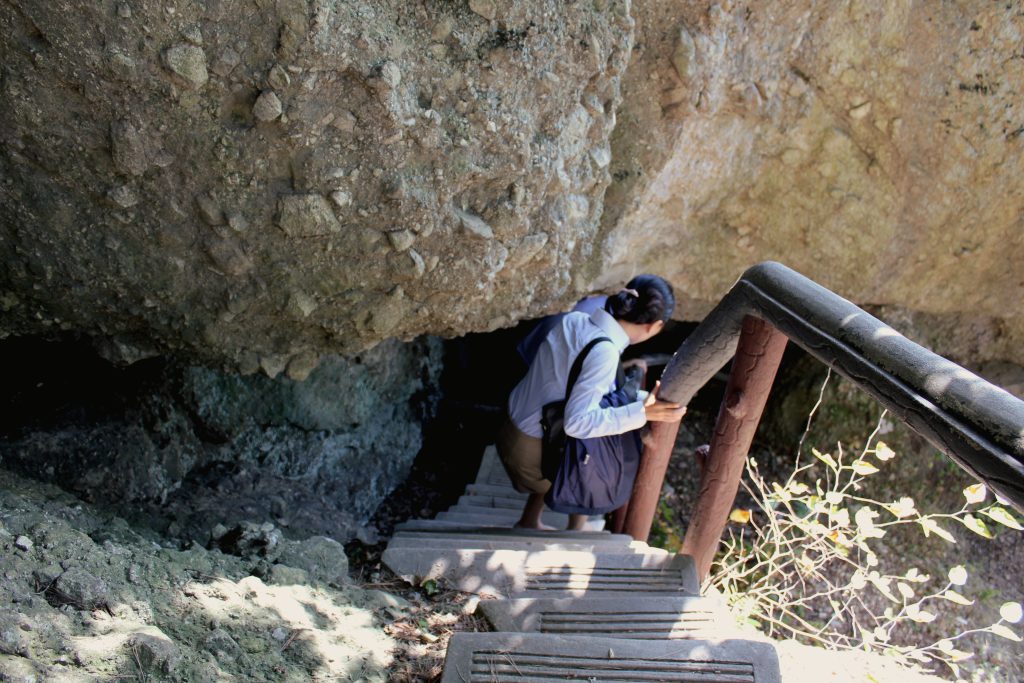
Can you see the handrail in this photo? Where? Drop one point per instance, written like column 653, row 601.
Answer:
column 974, row 422
column 978, row 425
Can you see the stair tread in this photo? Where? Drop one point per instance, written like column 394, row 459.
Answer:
column 513, row 570
column 490, row 501
column 413, row 528
column 491, row 471
column 493, row 490
column 551, row 519
column 510, row 513
column 632, row 616
column 467, row 523
column 536, row 656
column 509, row 544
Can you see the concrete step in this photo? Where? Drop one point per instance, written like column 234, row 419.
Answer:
column 491, row 471
column 422, row 528
column 466, row 523
column 535, row 657
column 605, row 581
column 508, row 572
column 504, row 520
column 634, row 616
column 499, row 491
column 512, row 514
column 490, row 502
column 474, row 524
column 473, row 538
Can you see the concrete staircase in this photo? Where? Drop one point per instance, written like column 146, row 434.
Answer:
column 579, row 605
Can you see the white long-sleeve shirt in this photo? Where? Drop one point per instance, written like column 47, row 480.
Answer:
column 546, row 379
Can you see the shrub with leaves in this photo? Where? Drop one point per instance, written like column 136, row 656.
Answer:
column 803, row 562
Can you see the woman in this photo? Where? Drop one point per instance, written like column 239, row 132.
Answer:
column 635, row 314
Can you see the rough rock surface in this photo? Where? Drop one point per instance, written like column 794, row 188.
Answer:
column 256, row 183
column 875, row 147
column 198, row 447
column 95, row 599
column 262, row 185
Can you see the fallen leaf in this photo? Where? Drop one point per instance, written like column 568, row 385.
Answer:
column 739, row 516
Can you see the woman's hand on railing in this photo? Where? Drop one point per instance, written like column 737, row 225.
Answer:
column 656, row 410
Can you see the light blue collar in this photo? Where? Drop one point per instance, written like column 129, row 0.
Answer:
column 611, row 327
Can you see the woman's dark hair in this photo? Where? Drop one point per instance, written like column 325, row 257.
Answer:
column 645, row 299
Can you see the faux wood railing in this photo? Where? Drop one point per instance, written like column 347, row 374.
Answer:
column 978, row 425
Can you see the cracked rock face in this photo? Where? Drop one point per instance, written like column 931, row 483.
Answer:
column 200, row 447
column 259, row 184
column 874, row 147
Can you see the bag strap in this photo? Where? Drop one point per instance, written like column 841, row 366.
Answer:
column 577, row 366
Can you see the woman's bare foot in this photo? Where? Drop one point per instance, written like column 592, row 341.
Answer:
column 530, row 519
column 576, row 523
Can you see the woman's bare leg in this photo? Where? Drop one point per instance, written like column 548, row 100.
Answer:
column 530, row 519
column 576, row 522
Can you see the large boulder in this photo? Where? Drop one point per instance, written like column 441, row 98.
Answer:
column 262, row 184
column 258, row 184
column 875, row 147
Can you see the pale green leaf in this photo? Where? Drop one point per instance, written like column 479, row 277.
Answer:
column 953, row 596
column 840, row 517
column 1005, row 632
column 930, row 525
column 882, row 584
column 920, row 616
column 780, row 493
column 1003, row 517
column 798, row 488
column 825, row 458
column 883, row 452
column 975, row 493
column 958, row 575
column 863, row 467
column 1011, row 612
column 914, row 574
column 904, row 507
column 976, row 525
column 865, row 519
column 905, row 590
column 834, row 497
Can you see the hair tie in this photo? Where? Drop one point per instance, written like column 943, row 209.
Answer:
column 633, row 292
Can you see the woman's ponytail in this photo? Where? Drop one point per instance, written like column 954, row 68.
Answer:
column 645, row 299
column 623, row 303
